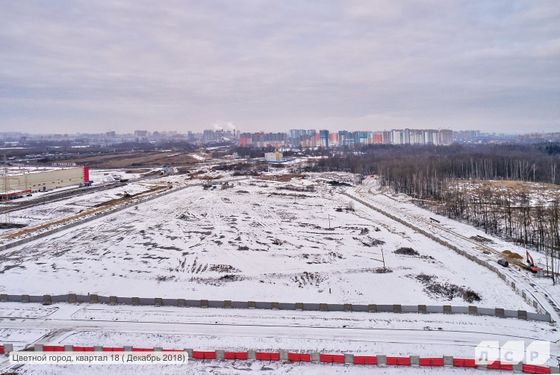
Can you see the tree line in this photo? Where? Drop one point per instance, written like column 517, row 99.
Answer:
column 437, row 176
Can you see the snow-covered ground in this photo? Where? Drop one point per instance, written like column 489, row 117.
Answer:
column 462, row 235
column 45, row 212
column 49, row 211
column 296, row 241
column 103, row 176
column 260, row 240
column 241, row 330
column 243, row 367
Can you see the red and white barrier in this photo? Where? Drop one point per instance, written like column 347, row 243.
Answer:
column 343, row 359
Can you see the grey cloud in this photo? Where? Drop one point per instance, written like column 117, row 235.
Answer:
column 186, row 65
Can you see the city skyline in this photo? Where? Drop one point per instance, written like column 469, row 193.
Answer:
column 94, row 67
column 298, row 138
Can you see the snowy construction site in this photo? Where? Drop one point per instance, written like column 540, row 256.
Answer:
column 276, row 262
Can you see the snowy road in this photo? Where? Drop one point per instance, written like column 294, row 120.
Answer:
column 378, row 335
column 204, row 329
column 242, row 329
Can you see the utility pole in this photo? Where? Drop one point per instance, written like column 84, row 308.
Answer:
column 383, row 258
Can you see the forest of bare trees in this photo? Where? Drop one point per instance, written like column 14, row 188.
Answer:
column 444, row 179
column 527, row 217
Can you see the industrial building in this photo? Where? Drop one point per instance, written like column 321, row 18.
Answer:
column 274, row 157
column 17, row 183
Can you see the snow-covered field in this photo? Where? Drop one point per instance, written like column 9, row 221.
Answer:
column 41, row 213
column 260, row 240
column 464, row 236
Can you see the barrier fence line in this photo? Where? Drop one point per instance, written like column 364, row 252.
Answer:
column 48, row 299
column 311, row 357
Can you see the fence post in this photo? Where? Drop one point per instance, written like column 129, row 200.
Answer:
column 47, row 300
column 251, row 354
column 315, row 357
column 8, row 348
column 220, row 355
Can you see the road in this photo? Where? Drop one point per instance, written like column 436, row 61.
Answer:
column 205, row 329
column 56, row 196
column 247, row 329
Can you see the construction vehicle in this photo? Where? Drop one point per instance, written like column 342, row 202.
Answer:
column 516, row 259
column 531, row 266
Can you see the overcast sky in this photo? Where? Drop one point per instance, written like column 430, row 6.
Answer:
column 94, row 66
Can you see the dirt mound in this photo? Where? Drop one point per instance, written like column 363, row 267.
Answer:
column 511, row 255
column 481, row 239
column 446, row 290
column 407, row 251
column 383, row 270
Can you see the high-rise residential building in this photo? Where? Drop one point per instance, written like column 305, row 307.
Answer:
column 333, row 139
column 309, row 138
column 324, row 138
column 445, row 137
column 387, row 137
column 141, row 133
column 397, row 137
